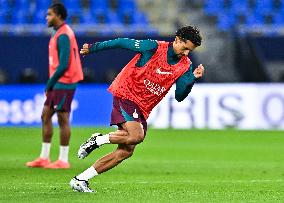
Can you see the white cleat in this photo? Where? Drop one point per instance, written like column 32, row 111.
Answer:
column 80, row 185
column 87, row 147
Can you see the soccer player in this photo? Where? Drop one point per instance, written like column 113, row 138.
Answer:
column 65, row 71
column 137, row 89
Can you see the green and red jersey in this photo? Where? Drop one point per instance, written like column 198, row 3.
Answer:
column 147, row 85
column 150, row 74
column 65, row 68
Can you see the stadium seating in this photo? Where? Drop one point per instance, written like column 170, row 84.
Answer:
column 232, row 13
column 117, row 13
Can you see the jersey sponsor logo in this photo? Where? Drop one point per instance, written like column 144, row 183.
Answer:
column 158, row 71
column 154, row 87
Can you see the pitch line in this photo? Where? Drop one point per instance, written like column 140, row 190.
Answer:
column 166, row 182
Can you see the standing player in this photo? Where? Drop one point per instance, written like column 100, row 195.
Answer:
column 65, row 72
column 138, row 88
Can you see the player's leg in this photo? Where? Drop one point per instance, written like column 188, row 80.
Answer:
column 47, row 131
column 132, row 134
column 47, row 128
column 65, row 133
column 64, row 127
column 107, row 162
column 126, row 114
column 132, row 131
column 63, row 107
column 113, row 159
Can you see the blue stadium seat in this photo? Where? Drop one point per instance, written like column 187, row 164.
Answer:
column 279, row 19
column 254, row 19
column 281, row 10
column 213, row 7
column 19, row 12
column 19, row 17
column 5, row 5
column 268, row 17
column 277, row 4
column 73, row 5
column 127, row 16
column 74, row 17
column 2, row 17
column 127, row 5
column 133, row 17
column 88, row 18
column 263, row 5
column 225, row 21
column 240, row 18
column 112, row 18
column 8, row 15
column 42, row 4
column 99, row 15
column 238, row 7
column 140, row 18
column 39, row 17
column 101, row 5
column 23, row 5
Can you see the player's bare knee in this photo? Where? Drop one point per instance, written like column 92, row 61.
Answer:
column 140, row 138
column 44, row 118
column 62, row 122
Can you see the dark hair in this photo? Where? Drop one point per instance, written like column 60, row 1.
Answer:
column 60, row 10
column 190, row 33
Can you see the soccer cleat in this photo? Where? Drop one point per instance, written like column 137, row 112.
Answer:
column 38, row 163
column 58, row 165
column 80, row 185
column 87, row 147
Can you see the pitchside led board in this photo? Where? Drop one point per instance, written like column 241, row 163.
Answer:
column 213, row 106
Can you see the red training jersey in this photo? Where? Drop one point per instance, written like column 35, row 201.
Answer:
column 147, row 85
column 74, row 71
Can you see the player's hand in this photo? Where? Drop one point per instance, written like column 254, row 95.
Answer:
column 199, row 71
column 86, row 49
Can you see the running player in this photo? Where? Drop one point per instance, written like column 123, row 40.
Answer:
column 137, row 89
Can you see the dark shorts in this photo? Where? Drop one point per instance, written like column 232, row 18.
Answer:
column 124, row 110
column 60, row 100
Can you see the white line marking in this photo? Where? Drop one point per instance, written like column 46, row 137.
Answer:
column 166, row 182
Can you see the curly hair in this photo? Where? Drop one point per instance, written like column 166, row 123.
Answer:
column 190, row 33
column 60, row 10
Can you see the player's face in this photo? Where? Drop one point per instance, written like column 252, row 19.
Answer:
column 182, row 48
column 51, row 18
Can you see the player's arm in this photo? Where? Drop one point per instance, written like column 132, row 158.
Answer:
column 124, row 43
column 63, row 47
column 185, row 82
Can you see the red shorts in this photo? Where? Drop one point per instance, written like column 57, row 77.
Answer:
column 124, row 110
column 60, row 100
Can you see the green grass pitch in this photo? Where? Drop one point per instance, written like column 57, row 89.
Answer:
column 169, row 166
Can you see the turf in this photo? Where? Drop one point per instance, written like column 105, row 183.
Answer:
column 169, row 166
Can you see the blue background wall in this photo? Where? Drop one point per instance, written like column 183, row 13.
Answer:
column 22, row 105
